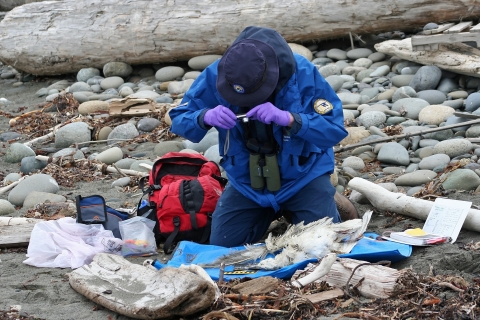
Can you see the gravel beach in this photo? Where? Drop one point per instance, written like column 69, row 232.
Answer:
column 44, row 293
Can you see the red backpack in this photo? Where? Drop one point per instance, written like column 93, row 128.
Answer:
column 183, row 192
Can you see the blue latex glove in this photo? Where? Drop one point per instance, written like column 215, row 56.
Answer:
column 268, row 113
column 220, row 116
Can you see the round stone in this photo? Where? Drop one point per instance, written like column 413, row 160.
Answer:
column 169, row 73
column 202, row 62
column 86, row 73
column 36, row 182
column 92, row 107
column 301, row 50
column 117, row 69
column 76, row 132
column 111, row 82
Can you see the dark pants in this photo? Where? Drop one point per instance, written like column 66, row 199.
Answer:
column 238, row 220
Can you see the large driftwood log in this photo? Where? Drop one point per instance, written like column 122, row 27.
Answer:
column 7, row 5
column 456, row 57
column 383, row 199
column 46, row 38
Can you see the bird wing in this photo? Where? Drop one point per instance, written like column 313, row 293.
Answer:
column 251, row 253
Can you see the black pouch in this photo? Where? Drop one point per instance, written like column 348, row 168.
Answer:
column 91, row 209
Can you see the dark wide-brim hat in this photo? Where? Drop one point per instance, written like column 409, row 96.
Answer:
column 248, row 73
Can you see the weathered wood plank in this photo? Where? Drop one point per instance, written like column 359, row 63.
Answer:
column 440, row 28
column 15, row 236
column 47, row 38
column 325, row 295
column 446, row 38
column 475, row 28
column 459, row 27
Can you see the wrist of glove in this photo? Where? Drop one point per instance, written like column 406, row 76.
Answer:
column 268, row 113
column 221, row 117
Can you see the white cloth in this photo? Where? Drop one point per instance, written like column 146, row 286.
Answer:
column 64, row 243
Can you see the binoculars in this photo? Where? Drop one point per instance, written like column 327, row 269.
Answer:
column 264, row 171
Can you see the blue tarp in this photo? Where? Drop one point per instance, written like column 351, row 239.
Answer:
column 367, row 249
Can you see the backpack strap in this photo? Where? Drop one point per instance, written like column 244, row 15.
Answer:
column 190, row 204
column 167, row 246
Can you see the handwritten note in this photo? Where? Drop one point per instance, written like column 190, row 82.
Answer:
column 446, row 217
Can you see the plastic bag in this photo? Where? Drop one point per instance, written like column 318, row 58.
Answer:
column 138, row 237
column 64, row 243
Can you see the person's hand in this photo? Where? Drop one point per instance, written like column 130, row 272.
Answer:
column 220, row 116
column 268, row 113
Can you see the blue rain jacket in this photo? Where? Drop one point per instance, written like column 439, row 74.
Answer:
column 315, row 135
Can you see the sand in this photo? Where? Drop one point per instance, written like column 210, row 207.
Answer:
column 46, row 294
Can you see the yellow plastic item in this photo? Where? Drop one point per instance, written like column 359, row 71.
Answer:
column 417, row 232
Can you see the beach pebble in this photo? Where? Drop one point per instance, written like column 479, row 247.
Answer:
column 353, row 162
column 147, row 94
column 447, row 85
column 461, row 179
column 415, row 178
column 11, row 177
column 7, row 136
column 123, row 132
column 110, row 155
column 164, row 147
column 359, row 53
column 201, row 62
column 372, row 118
column 81, row 97
column 377, row 56
column 111, row 82
column 30, row 164
column 393, row 153
column 169, row 73
column 335, row 81
column 125, row 91
column 209, row 140
column 37, row 182
column 148, row 124
column 427, row 77
column 92, row 106
column 380, row 71
column 301, row 50
column 453, row 147
column 430, row 162
column 125, row 163
column 122, row 182
column 412, row 191
column 473, row 132
column 137, row 167
column 435, row 114
column 36, row 197
column 86, row 73
column 76, row 87
column 410, row 107
column 432, row 96
column 178, row 87
column 77, row 154
column 16, row 152
column 6, row 208
column 336, row 54
column 76, row 132
column 473, row 102
column 329, row 70
column 117, row 69
column 191, row 75
column 402, row 80
column 355, row 134
column 213, row 154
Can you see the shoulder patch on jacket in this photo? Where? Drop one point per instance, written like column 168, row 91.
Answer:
column 322, row 106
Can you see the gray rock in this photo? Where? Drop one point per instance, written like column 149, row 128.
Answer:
column 393, row 153
column 36, row 197
column 117, row 69
column 178, row 87
column 169, row 73
column 122, row 182
column 125, row 91
column 77, row 154
column 353, row 162
column 412, row 191
column 30, row 164
column 404, row 92
column 380, row 71
column 145, row 95
column 411, row 168
column 123, row 131
column 167, row 146
column 359, row 53
column 461, row 179
column 335, row 82
column 429, row 163
column 11, row 177
column 432, row 96
column 6, row 208
column 164, row 99
column 213, row 154
column 323, row 61
column 16, row 152
column 209, row 140
column 329, row 70
column 372, row 118
column 377, row 56
column 455, row 104
column 111, row 82
column 473, row 132
column 427, row 77
column 36, row 182
column 86, row 73
column 402, row 80
column 453, row 147
column 473, row 102
column 76, row 132
column 201, row 62
column 447, row 85
column 136, row 165
column 148, row 124
column 410, row 107
column 81, row 97
column 7, row 136
column 125, row 163
column 435, row 114
column 111, row 155
column 415, row 178
column 336, row 54
column 79, row 87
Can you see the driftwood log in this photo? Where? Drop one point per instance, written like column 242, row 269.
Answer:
column 456, row 57
column 7, row 5
column 46, row 38
column 383, row 199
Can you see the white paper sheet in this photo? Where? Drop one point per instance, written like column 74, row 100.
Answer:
column 446, row 217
